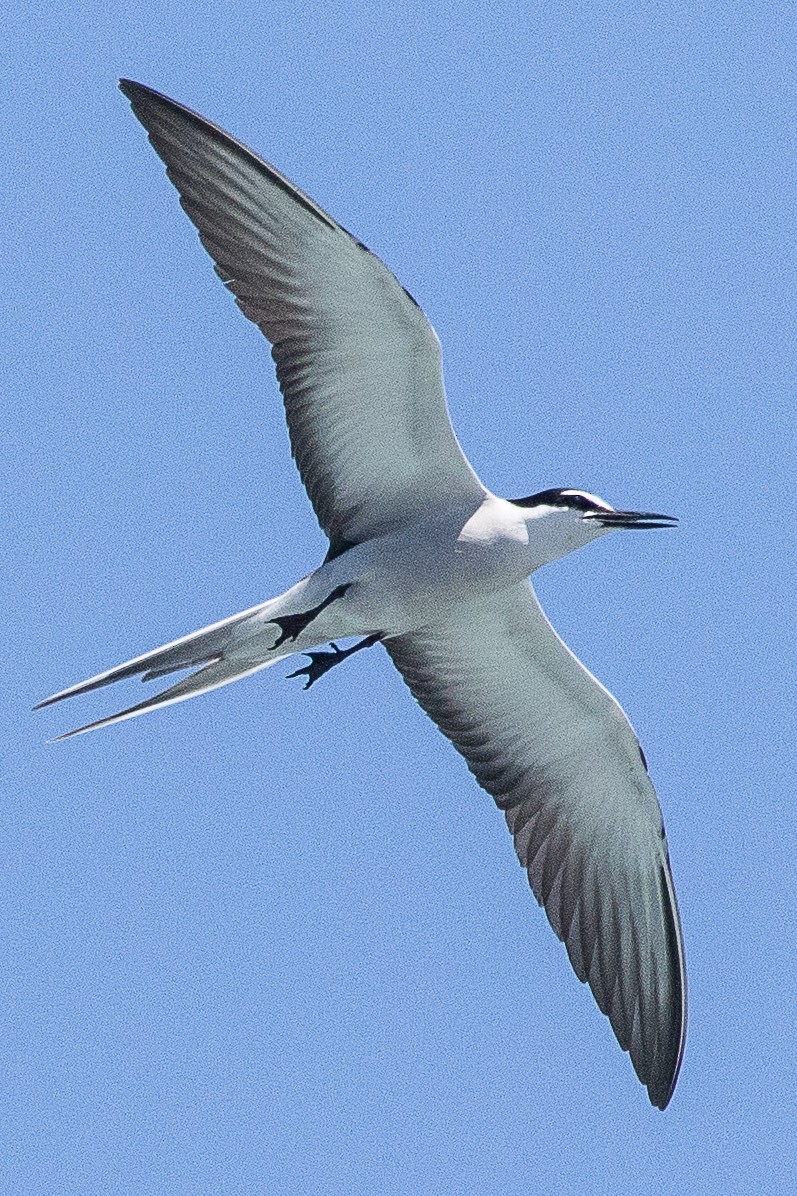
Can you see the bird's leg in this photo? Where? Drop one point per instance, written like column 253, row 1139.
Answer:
column 322, row 662
column 291, row 626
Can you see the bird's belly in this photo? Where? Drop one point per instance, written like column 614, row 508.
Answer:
column 391, row 585
column 403, row 582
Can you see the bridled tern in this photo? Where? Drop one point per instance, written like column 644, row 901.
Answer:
column 424, row 560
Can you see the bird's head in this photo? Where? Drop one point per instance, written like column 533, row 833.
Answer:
column 561, row 520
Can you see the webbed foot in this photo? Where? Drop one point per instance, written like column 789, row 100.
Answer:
column 291, row 626
column 322, row 662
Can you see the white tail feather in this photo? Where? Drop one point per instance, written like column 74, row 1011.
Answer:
column 200, row 647
column 212, row 676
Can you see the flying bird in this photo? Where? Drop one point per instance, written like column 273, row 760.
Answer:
column 424, row 560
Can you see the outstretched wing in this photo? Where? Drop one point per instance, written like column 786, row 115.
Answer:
column 555, row 750
column 357, row 361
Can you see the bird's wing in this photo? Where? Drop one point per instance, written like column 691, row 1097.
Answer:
column 555, row 750
column 358, row 363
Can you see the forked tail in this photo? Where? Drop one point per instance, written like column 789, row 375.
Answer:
column 207, row 647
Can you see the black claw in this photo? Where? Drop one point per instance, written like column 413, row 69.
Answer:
column 291, row 626
column 320, row 663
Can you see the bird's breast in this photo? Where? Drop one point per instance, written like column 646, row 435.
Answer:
column 409, row 578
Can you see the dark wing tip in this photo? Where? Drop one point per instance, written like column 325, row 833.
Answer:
column 648, row 1017
column 661, row 1084
column 151, row 106
column 658, row 1064
column 129, row 87
column 137, row 93
column 143, row 98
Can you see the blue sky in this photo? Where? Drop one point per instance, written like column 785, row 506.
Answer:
column 276, row 941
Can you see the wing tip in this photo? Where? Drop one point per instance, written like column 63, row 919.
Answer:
column 131, row 89
column 661, row 1085
column 661, row 1076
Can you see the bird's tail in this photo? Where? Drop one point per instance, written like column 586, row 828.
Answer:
column 206, row 647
